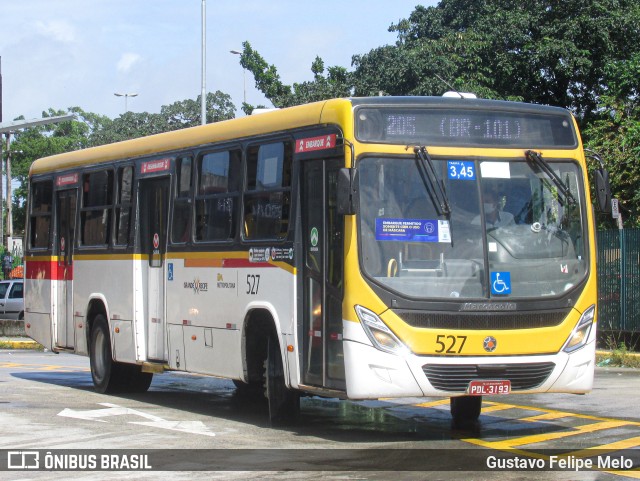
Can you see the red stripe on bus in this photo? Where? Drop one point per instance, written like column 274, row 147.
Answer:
column 47, row 270
column 244, row 263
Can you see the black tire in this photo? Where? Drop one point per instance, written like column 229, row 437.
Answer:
column 284, row 403
column 108, row 375
column 465, row 410
column 134, row 380
column 104, row 372
column 252, row 390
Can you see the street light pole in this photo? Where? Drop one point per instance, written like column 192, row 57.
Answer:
column 9, row 223
column 203, row 93
column 126, row 96
column 9, row 192
column 244, row 78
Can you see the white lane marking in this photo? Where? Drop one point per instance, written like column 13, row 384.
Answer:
column 193, row 427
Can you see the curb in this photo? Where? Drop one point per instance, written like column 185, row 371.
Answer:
column 19, row 344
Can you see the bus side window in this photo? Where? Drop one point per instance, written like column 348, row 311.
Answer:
column 181, row 225
column 268, row 197
column 124, row 205
column 40, row 216
column 97, row 190
column 219, row 175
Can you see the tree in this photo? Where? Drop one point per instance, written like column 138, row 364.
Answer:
column 37, row 142
column 615, row 134
column 335, row 84
column 179, row 115
column 543, row 51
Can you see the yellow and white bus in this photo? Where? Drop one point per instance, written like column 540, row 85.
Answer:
column 354, row 248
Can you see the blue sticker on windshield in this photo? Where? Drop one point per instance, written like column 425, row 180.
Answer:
column 413, row 230
column 461, row 170
column 501, row 283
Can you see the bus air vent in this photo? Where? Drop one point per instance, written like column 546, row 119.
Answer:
column 482, row 320
column 456, row 377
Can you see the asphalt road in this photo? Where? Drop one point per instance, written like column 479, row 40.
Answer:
column 198, row 427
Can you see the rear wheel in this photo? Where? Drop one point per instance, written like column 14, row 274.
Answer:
column 465, row 410
column 108, row 375
column 104, row 371
column 284, row 403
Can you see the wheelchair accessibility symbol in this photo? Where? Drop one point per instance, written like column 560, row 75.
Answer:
column 501, row 283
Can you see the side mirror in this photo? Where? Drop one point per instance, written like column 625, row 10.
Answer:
column 603, row 190
column 347, row 192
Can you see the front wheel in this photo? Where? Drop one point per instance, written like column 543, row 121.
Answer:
column 465, row 410
column 284, row 403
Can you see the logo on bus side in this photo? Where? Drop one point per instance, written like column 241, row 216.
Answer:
column 222, row 284
column 197, row 286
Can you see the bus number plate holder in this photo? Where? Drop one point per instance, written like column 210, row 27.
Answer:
column 489, row 388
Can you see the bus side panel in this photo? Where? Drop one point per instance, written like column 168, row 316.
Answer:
column 108, row 281
column 211, row 296
column 37, row 302
column 38, row 328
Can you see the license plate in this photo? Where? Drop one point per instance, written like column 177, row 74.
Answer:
column 489, row 388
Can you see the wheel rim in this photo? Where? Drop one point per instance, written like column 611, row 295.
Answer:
column 99, row 356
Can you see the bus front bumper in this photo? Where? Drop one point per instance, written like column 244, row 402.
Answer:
column 372, row 373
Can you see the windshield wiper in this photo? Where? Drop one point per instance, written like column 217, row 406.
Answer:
column 536, row 158
column 434, row 186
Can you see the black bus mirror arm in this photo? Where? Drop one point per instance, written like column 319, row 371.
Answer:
column 347, row 188
column 602, row 184
column 347, row 191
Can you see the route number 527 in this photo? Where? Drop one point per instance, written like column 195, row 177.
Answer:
column 253, row 284
column 450, row 344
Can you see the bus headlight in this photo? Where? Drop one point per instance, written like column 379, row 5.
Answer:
column 378, row 332
column 580, row 333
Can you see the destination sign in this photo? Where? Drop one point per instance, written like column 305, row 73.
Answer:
column 471, row 127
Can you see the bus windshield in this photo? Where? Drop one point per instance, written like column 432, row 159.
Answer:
column 510, row 232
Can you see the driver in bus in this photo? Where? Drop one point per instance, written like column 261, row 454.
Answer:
column 493, row 215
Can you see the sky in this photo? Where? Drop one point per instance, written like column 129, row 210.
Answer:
column 67, row 53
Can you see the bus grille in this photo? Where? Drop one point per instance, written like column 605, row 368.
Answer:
column 456, row 377
column 483, row 320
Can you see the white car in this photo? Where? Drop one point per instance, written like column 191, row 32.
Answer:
column 12, row 299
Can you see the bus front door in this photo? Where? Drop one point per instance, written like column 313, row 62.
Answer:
column 66, row 220
column 153, row 218
column 323, row 246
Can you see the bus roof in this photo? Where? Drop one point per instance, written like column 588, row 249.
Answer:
column 335, row 111
column 324, row 112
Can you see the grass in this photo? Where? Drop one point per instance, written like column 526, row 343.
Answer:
column 619, row 356
column 21, row 345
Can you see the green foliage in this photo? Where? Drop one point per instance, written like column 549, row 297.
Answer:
column 615, row 133
column 540, row 51
column 336, row 83
column 179, row 115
